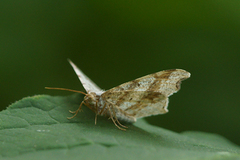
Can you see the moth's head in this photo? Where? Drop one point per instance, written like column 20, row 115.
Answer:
column 91, row 99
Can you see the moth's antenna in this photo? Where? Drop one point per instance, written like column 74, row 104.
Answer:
column 65, row 89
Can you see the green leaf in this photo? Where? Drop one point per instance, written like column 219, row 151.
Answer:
column 37, row 128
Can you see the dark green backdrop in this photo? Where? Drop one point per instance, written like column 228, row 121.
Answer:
column 117, row 41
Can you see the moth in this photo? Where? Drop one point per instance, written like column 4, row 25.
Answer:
column 142, row 97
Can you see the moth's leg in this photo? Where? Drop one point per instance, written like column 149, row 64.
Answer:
column 90, row 107
column 96, row 119
column 114, row 120
column 114, row 114
column 79, row 109
column 101, row 111
column 105, row 112
column 76, row 112
column 96, row 111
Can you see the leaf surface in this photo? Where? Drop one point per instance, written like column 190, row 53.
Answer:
column 38, row 127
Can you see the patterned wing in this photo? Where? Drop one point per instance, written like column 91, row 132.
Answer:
column 147, row 95
column 167, row 82
column 87, row 83
column 137, row 104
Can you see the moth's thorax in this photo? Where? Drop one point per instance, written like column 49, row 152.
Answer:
column 102, row 107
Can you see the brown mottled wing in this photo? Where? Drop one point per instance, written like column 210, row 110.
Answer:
column 147, row 95
column 138, row 104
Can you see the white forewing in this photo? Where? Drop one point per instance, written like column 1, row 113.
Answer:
column 87, row 83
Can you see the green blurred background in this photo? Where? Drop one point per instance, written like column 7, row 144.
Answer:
column 117, row 41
